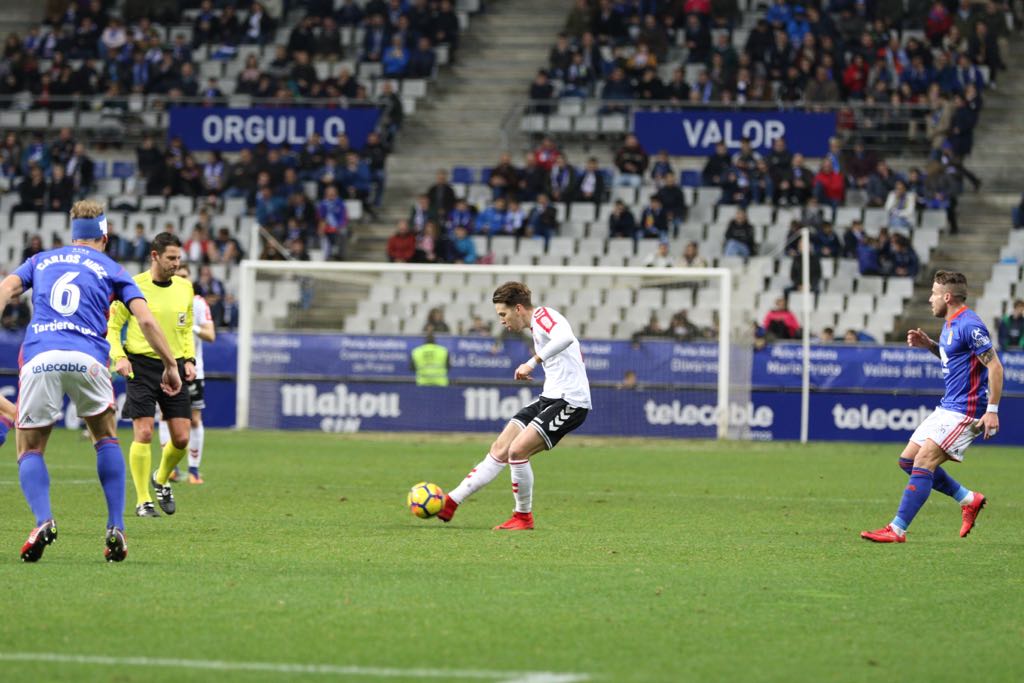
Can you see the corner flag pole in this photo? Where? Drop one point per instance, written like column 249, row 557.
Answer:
column 805, row 300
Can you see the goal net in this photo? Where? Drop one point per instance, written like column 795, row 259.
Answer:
column 326, row 345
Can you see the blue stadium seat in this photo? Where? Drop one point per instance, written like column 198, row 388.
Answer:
column 123, row 169
column 689, row 179
column 99, row 170
column 485, row 174
column 462, row 174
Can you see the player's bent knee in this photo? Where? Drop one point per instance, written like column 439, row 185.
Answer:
column 930, row 456
column 499, row 451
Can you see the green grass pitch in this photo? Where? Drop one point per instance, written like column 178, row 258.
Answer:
column 651, row 561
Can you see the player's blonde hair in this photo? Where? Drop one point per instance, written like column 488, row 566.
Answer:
column 86, row 208
column 955, row 283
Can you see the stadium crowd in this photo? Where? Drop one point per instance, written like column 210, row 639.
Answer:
column 83, row 49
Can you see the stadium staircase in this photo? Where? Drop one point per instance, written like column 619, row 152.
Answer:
column 460, row 124
column 984, row 217
column 18, row 17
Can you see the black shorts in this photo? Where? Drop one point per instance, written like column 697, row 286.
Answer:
column 144, row 392
column 553, row 418
column 196, row 394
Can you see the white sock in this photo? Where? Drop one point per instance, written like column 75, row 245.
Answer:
column 968, row 499
column 522, row 484
column 165, row 433
column 478, row 477
column 195, row 446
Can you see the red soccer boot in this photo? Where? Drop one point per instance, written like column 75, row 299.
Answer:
column 884, row 535
column 448, row 511
column 519, row 521
column 971, row 512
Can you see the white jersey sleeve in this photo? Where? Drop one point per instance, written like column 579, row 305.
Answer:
column 565, row 376
column 200, row 315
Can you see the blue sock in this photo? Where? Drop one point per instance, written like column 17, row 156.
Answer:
column 5, row 426
column 948, row 485
column 914, row 496
column 110, row 468
column 193, row 470
column 943, row 483
column 35, row 483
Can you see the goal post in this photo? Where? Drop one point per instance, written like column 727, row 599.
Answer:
column 294, row 314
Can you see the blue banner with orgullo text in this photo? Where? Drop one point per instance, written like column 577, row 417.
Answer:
column 696, row 132
column 228, row 130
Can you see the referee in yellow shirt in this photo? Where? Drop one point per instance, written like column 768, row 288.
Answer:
column 170, row 299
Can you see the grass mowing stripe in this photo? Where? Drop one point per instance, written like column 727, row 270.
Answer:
column 306, row 669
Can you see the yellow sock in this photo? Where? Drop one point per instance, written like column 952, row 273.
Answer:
column 169, row 459
column 140, row 460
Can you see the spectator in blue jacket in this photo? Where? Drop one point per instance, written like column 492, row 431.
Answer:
column 461, row 215
column 654, row 220
column 826, row 242
column 945, row 74
column 355, row 178
column 966, row 73
column 463, row 247
column 491, row 220
column 779, row 13
column 903, row 257
column 396, row 58
column 269, row 207
column 35, row 153
column 867, row 257
column 918, row 76
column 421, row 60
column 332, row 224
column 798, row 26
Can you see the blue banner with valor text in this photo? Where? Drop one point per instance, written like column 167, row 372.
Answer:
column 696, row 132
column 228, row 130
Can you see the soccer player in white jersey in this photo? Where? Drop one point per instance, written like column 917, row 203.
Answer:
column 562, row 407
column 202, row 330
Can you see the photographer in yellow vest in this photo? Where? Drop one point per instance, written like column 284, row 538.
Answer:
column 430, row 362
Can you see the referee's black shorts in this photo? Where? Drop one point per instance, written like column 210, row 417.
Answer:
column 144, row 392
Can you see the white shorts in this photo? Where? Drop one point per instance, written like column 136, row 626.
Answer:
column 45, row 379
column 953, row 432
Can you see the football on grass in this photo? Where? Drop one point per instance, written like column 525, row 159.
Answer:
column 425, row 499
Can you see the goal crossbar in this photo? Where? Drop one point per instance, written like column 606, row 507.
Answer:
column 250, row 268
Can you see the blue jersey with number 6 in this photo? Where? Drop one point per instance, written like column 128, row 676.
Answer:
column 72, row 288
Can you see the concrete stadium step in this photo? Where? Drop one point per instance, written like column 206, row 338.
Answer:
column 461, row 124
column 332, row 302
column 984, row 223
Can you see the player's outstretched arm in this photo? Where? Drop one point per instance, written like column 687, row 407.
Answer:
column 919, row 339
column 155, row 336
column 118, row 317
column 989, row 422
column 10, row 288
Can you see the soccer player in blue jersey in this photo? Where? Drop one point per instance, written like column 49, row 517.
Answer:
column 970, row 406
column 65, row 351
